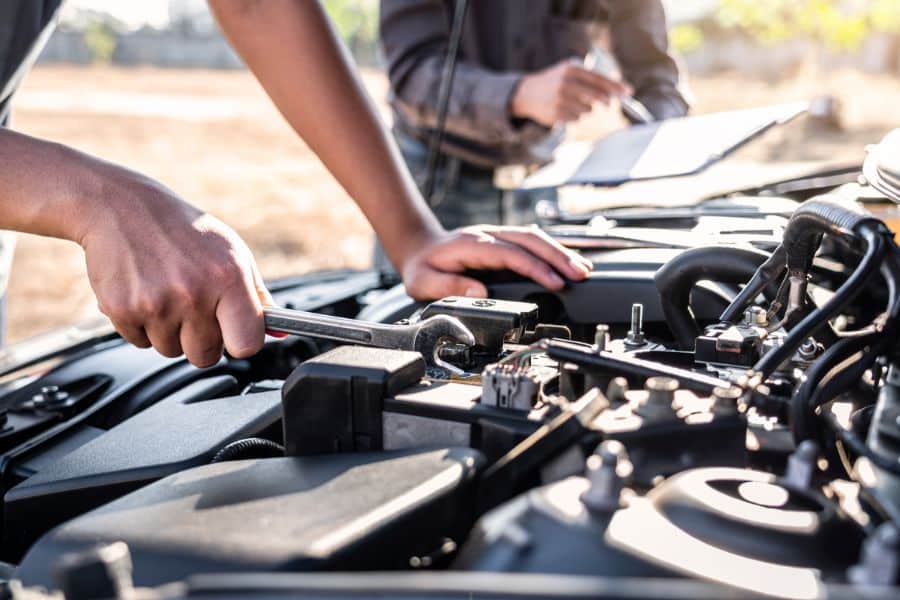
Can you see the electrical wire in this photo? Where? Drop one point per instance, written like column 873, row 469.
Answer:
column 876, row 247
column 447, row 75
column 858, row 446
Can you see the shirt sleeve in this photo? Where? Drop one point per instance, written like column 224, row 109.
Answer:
column 414, row 37
column 641, row 45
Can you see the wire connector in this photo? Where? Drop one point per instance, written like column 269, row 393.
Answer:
column 508, row 386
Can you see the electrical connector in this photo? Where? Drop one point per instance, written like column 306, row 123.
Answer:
column 509, row 386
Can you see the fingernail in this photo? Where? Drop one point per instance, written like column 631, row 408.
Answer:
column 580, row 265
column 473, row 292
column 556, row 280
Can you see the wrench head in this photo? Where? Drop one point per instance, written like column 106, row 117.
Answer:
column 440, row 329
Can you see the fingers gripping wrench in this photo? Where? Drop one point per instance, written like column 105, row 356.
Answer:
column 425, row 336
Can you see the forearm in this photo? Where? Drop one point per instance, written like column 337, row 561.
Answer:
column 50, row 189
column 41, row 185
column 294, row 53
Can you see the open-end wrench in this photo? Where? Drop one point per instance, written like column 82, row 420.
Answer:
column 424, row 336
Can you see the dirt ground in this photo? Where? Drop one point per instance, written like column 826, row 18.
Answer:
column 215, row 139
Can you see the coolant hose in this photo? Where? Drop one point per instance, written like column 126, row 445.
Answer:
column 827, row 215
column 676, row 279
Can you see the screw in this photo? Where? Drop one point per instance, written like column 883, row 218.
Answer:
column 484, row 303
column 601, row 337
column 808, row 349
column 635, row 332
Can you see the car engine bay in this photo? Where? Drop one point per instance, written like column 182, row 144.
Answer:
column 714, row 412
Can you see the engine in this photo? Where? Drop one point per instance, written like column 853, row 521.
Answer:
column 714, row 412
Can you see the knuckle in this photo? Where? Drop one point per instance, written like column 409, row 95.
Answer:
column 189, row 293
column 152, row 304
column 206, row 357
column 227, row 273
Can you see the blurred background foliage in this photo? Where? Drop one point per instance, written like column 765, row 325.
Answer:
column 357, row 23
column 837, row 25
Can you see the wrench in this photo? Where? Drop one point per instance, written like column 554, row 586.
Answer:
column 425, row 336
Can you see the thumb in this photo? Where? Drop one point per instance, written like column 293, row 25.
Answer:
column 435, row 285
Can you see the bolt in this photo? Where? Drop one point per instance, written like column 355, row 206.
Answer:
column 808, row 349
column 636, row 331
column 727, row 395
column 50, row 395
column 601, row 337
column 756, row 315
column 484, row 303
column 617, row 390
column 661, row 390
column 607, row 469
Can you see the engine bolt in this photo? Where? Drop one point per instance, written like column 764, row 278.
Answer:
column 607, row 469
column 50, row 396
column 617, row 390
column 661, row 390
column 636, row 331
column 601, row 337
column 808, row 349
column 756, row 315
column 727, row 396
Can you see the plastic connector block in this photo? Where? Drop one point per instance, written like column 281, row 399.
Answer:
column 506, row 386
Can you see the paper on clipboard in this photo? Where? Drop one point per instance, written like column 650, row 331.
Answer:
column 671, row 148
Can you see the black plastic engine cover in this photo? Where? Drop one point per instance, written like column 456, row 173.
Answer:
column 170, row 436
column 349, row 511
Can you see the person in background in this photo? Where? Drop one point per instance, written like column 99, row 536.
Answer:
column 172, row 276
column 519, row 78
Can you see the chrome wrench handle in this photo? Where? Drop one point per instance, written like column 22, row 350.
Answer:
column 339, row 329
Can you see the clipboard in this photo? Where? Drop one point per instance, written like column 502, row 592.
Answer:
column 670, row 148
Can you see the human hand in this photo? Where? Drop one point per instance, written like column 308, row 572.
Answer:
column 562, row 93
column 170, row 275
column 434, row 271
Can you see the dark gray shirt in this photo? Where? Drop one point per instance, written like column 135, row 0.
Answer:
column 25, row 26
column 503, row 40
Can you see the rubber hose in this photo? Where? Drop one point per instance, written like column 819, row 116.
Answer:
column 676, row 279
column 767, row 273
column 876, row 247
column 829, row 214
column 801, row 407
column 248, row 448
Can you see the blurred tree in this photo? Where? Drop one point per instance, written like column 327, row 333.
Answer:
column 100, row 38
column 686, row 37
column 841, row 25
column 357, row 23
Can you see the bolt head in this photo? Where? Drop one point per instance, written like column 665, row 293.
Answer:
column 661, row 390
